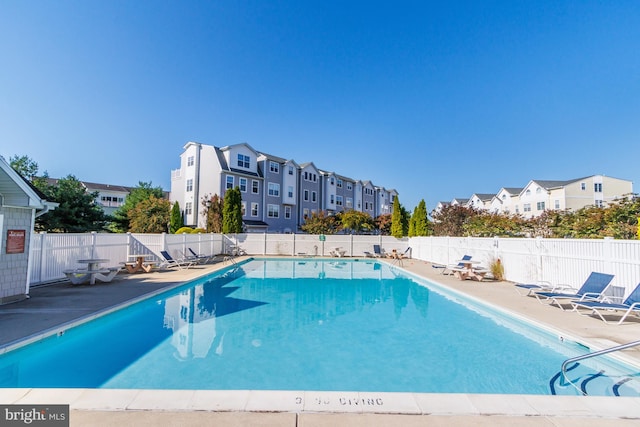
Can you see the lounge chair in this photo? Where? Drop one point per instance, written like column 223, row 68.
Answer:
column 199, row 258
column 592, row 289
column 631, row 305
column 170, row 262
column 449, row 269
column 528, row 289
column 378, row 252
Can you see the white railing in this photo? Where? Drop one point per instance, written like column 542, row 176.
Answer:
column 567, row 261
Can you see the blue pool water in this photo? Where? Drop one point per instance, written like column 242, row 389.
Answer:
column 300, row 325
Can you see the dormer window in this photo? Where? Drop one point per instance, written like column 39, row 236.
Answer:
column 538, row 190
column 274, row 167
column 243, row 161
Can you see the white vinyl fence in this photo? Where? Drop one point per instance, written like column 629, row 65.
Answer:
column 567, row 261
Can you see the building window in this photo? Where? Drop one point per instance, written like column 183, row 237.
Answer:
column 243, row 184
column 305, row 213
column 229, row 182
column 538, row 190
column 290, row 170
column 339, row 200
column 339, row 183
column 599, row 203
column 188, row 208
column 349, row 186
column 349, row 202
column 273, row 211
column 527, row 193
column 190, row 161
column 255, row 187
column 540, row 206
column 517, row 209
column 314, row 196
column 597, row 187
column 274, row 189
column 583, row 186
column 244, row 208
column 243, row 161
column 274, row 167
column 290, row 191
column 189, row 185
column 557, row 204
column 254, row 209
column 306, row 195
column 331, row 181
column 331, row 199
column 527, row 207
column 287, row 212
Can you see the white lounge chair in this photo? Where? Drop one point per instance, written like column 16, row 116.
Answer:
column 631, row 305
column 170, row 262
column 592, row 289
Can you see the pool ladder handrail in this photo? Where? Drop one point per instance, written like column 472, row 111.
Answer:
column 563, row 369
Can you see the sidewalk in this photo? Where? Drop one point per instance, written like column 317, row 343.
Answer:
column 62, row 304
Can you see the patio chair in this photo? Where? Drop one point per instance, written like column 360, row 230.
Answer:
column 170, row 262
column 592, row 289
column 631, row 305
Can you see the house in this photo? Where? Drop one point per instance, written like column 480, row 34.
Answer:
column 595, row 190
column 278, row 194
column 480, row 201
column 20, row 204
column 505, row 200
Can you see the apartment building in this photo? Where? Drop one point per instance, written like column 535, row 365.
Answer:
column 278, row 194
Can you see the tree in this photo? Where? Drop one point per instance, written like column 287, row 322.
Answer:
column 177, row 221
column 383, row 224
column 77, row 211
column 143, row 191
column 25, row 166
column 212, row 211
column 356, row 221
column 150, row 215
column 419, row 222
column 450, row 220
column 232, row 211
column 397, row 221
column 321, row 223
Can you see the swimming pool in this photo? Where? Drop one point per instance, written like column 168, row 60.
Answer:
column 275, row 324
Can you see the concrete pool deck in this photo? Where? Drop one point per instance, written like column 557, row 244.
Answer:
column 58, row 306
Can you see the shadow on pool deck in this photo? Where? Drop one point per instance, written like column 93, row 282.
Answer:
column 60, row 305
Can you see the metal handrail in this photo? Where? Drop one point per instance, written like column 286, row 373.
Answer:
column 594, row 354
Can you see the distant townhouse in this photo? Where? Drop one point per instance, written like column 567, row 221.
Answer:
column 278, row 194
column 540, row 195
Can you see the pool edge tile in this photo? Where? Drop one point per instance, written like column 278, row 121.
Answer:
column 219, row 400
column 275, row 401
column 445, row 404
column 161, row 400
column 105, row 399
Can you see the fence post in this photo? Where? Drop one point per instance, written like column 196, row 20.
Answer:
column 607, row 254
column 42, row 257
column 93, row 244
column 538, row 255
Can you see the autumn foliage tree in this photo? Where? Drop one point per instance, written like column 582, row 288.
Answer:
column 150, row 216
column 321, row 223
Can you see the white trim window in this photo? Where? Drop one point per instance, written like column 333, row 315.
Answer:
column 338, row 200
column 290, row 191
column 230, row 182
column 557, row 204
column 243, row 184
column 305, row 195
column 255, row 187
column 349, row 186
column 290, row 170
column 339, row 183
column 274, row 167
column 526, row 207
column 314, row 196
column 540, row 206
column 597, row 187
column 244, row 208
column 287, row 212
column 254, row 209
column 274, row 189
column 273, row 211
column 189, row 185
column 349, row 202
column 305, row 213
column 190, row 161
column 188, row 208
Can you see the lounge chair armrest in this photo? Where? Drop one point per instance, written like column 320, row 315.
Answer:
column 590, row 296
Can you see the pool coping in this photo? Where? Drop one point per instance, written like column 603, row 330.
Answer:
column 347, row 402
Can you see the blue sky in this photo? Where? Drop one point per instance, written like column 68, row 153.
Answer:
column 434, row 99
